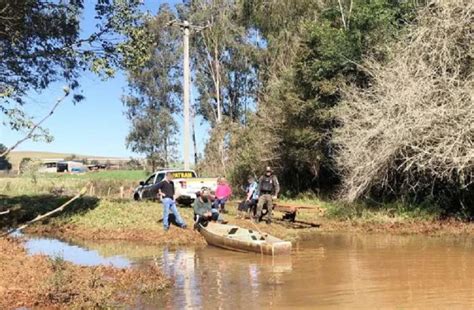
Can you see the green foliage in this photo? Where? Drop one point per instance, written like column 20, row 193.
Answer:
column 332, row 51
column 154, row 95
column 380, row 213
column 71, row 157
column 29, row 168
column 321, row 58
column 224, row 60
column 103, row 175
column 41, row 43
column 4, row 163
column 59, row 280
column 134, row 164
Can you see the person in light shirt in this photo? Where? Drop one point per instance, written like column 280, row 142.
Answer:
column 251, row 199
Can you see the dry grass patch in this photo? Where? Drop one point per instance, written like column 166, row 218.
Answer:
column 42, row 283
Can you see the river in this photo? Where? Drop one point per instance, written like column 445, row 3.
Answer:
column 332, row 271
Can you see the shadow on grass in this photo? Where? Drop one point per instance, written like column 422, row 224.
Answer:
column 26, row 207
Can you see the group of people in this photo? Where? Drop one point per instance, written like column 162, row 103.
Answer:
column 209, row 207
column 259, row 195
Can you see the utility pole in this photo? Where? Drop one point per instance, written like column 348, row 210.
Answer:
column 186, row 27
column 186, row 90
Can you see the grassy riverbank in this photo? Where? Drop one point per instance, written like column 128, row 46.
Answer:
column 115, row 219
column 106, row 217
column 121, row 220
column 51, row 283
column 36, row 281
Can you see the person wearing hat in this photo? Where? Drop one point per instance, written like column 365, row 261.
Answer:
column 268, row 188
column 203, row 211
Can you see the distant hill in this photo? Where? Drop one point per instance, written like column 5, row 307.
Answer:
column 15, row 157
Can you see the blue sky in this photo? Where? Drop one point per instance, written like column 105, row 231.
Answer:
column 96, row 125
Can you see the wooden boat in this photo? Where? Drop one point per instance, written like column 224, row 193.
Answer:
column 240, row 239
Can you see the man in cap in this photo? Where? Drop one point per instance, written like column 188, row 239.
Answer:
column 203, row 211
column 268, row 188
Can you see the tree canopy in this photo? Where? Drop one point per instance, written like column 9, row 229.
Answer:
column 155, row 94
column 351, row 98
column 43, row 41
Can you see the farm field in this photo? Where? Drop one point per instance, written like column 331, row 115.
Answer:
column 15, row 157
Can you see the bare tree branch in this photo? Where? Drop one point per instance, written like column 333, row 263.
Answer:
column 411, row 131
column 38, row 124
column 349, row 15
column 45, row 215
column 342, row 14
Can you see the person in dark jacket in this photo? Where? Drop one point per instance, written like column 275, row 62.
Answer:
column 203, row 211
column 165, row 192
column 268, row 189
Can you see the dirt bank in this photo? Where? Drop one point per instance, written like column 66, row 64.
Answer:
column 175, row 236
column 409, row 227
column 42, row 283
column 134, row 221
column 110, row 219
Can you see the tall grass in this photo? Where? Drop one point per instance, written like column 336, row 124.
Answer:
column 113, row 184
column 135, row 175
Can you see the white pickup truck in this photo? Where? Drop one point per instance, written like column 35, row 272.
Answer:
column 186, row 184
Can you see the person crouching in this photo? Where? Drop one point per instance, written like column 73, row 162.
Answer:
column 203, row 211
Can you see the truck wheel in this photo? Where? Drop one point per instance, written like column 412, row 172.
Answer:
column 136, row 197
column 186, row 202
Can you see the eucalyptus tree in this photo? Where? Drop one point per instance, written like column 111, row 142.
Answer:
column 224, row 60
column 154, row 100
column 314, row 49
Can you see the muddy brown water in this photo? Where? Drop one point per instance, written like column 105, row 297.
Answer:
column 333, row 271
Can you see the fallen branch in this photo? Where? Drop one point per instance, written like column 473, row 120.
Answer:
column 35, row 126
column 45, row 215
column 4, row 212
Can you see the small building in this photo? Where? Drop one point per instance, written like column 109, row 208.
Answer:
column 50, row 165
column 71, row 166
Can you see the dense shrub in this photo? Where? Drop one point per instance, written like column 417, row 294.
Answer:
column 411, row 134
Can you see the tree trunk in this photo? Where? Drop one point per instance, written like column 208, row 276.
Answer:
column 166, row 152
column 218, row 86
column 222, row 154
column 193, row 133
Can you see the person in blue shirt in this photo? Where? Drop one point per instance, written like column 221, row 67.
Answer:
column 251, row 198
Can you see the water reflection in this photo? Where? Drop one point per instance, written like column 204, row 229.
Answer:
column 330, row 272
column 219, row 279
column 336, row 271
column 72, row 253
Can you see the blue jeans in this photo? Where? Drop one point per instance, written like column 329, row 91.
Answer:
column 170, row 205
column 219, row 203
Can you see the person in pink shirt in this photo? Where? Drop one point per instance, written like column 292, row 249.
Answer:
column 223, row 193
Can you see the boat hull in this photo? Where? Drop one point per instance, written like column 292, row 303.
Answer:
column 241, row 243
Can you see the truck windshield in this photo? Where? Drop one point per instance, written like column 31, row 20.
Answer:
column 183, row 174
